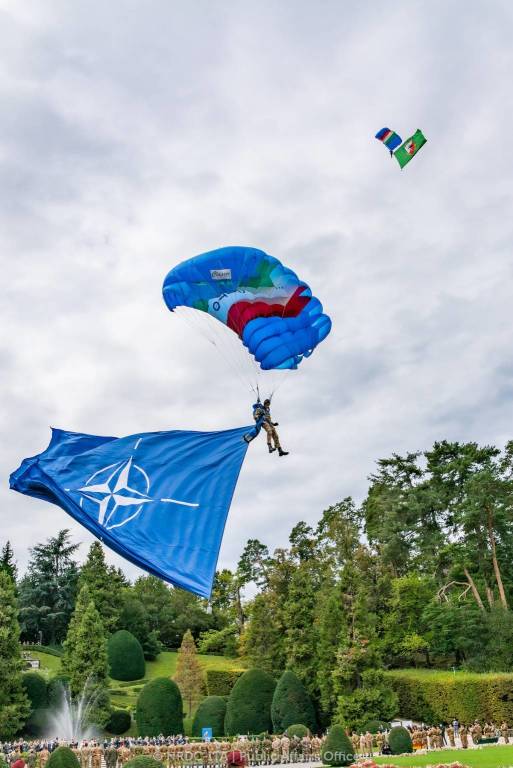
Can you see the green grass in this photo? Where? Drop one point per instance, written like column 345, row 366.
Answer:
column 499, row 756
column 50, row 665
column 126, row 693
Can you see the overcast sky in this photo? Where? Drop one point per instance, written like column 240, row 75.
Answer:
column 134, row 135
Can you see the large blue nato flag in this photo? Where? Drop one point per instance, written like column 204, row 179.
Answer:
column 159, row 499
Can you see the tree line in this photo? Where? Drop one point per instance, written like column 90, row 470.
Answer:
column 420, row 573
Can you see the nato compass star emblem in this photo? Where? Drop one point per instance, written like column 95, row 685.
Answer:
column 120, row 492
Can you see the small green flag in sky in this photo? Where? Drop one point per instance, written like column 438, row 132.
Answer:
column 409, row 148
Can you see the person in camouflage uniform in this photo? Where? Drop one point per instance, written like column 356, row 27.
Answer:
column 505, row 732
column 111, row 757
column 276, row 750
column 263, row 418
column 450, row 735
column 464, row 736
column 380, row 740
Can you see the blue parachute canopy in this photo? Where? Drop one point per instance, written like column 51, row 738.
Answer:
column 159, row 499
column 271, row 310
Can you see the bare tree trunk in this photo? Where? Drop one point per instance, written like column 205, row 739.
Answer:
column 495, row 562
column 489, row 595
column 474, row 589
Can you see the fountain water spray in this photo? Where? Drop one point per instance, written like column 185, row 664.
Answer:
column 70, row 719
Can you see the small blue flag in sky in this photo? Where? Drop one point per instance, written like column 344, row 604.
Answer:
column 389, row 138
column 159, row 499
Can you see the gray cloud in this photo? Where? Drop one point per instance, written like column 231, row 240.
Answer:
column 134, row 137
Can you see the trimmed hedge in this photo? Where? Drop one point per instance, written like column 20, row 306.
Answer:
column 337, row 748
column 374, row 726
column 50, row 650
column 119, row 722
column 159, row 708
column 399, row 740
column 63, row 757
column 442, row 696
column 298, row 730
column 291, row 704
column 144, row 761
column 35, row 688
column 210, row 714
column 249, row 704
column 126, row 656
column 221, row 681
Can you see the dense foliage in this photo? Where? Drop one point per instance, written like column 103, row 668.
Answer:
column 291, row 704
column 337, row 749
column 159, row 708
column 14, row 702
column 63, row 757
column 210, row 714
column 126, row 657
column 399, row 740
column 119, row 722
column 189, row 675
column 249, row 704
column 144, row 761
column 221, row 681
column 35, row 687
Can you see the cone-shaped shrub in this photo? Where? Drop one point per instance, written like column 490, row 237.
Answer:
column 63, row 757
column 126, row 657
column 249, row 704
column 159, row 708
column 399, row 740
column 210, row 714
column 337, row 748
column 35, row 688
column 291, row 704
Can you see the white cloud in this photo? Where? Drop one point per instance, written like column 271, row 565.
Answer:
column 133, row 137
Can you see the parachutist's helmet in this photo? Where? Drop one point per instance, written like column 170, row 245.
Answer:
column 267, row 402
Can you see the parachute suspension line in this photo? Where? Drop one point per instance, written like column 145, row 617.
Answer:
column 207, row 327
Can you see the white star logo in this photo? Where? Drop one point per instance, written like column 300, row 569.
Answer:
column 120, row 490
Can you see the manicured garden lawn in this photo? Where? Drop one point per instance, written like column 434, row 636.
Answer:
column 50, row 665
column 125, row 694
column 486, row 757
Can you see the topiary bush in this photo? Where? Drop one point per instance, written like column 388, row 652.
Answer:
column 144, row 761
column 221, row 681
column 374, row 726
column 291, row 704
column 399, row 740
column 337, row 748
column 298, row 730
column 119, row 722
column 35, row 688
column 210, row 714
column 249, row 704
column 126, row 656
column 159, row 708
column 63, row 757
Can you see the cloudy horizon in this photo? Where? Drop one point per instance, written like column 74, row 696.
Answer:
column 134, row 136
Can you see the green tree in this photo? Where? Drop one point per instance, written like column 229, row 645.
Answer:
column 84, row 661
column 105, row 585
column 63, row 757
column 249, row 704
column 291, row 704
column 15, row 705
column 405, row 634
column 189, row 675
column 337, row 749
column 7, row 561
column 47, row 592
column 372, row 700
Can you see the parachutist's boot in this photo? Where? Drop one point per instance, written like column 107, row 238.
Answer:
column 271, row 449
column 281, row 452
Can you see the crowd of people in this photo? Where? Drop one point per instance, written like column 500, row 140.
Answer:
column 173, row 752
column 434, row 737
column 180, row 751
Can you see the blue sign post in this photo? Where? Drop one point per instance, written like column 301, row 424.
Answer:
column 206, row 734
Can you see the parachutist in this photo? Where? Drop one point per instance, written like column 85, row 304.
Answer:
column 262, row 416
